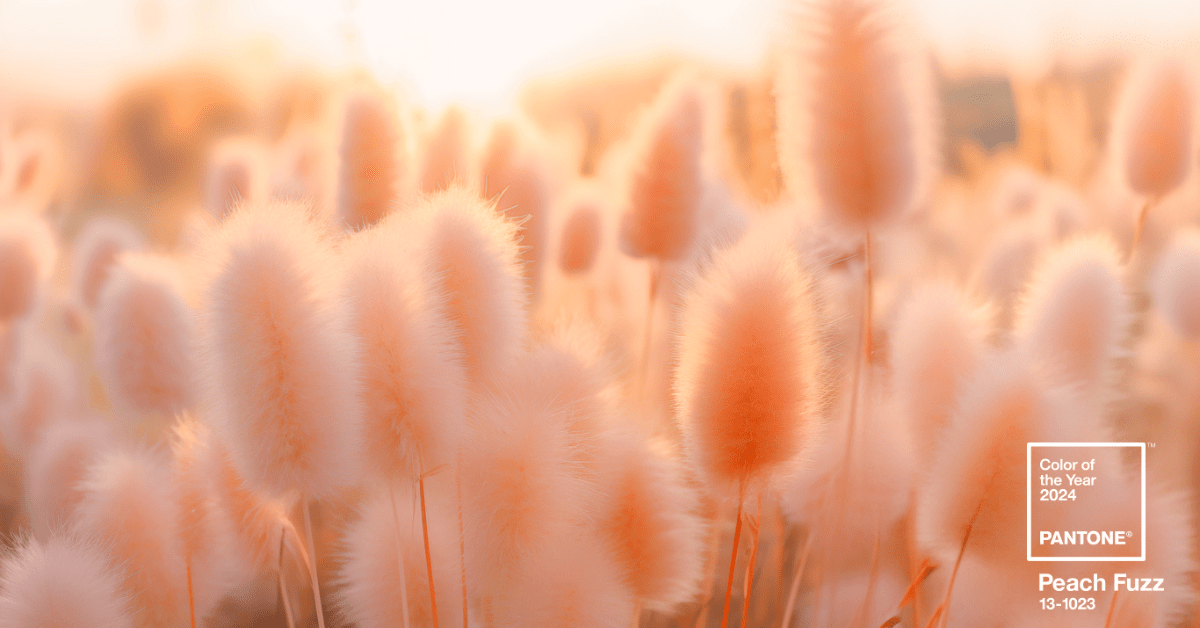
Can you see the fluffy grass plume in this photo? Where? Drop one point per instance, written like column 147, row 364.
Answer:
column 1076, row 312
column 667, row 179
column 652, row 524
column 95, row 251
column 57, row 465
column 144, row 338
column 473, row 254
column 237, row 172
column 66, row 582
column 372, row 158
column 412, row 378
column 748, row 379
column 258, row 521
column 567, row 580
column 129, row 506
column 512, row 175
column 279, row 362
column 446, row 156
column 27, row 252
column 856, row 113
column 1154, row 126
column 579, row 244
column 45, row 391
column 1173, row 284
column 518, row 490
column 937, row 342
column 977, row 480
column 370, row 578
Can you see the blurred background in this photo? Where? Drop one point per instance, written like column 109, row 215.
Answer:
column 133, row 94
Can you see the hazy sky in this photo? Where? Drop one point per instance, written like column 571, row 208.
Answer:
column 479, row 51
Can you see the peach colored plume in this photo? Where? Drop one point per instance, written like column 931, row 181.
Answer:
column 937, row 343
column 978, row 476
column 518, row 489
column 128, row 504
column 413, row 383
column 144, row 338
column 278, row 358
column 748, row 380
column 1173, row 284
column 373, row 159
column 94, row 252
column 473, row 254
column 1075, row 312
column 57, row 465
column 27, row 253
column 513, row 176
column 856, row 131
column 579, row 244
column 1154, row 128
column 64, row 582
column 652, row 524
column 237, row 172
column 667, row 178
column 446, row 156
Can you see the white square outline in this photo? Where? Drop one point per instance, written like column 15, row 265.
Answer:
column 1029, row 505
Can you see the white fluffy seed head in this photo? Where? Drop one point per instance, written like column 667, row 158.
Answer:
column 144, row 338
column 95, row 250
column 938, row 341
column 1175, row 284
column 372, row 159
column 66, row 582
column 1075, row 312
column 1154, row 127
column 128, row 505
column 749, row 379
column 277, row 358
column 856, row 112
column 57, row 466
column 27, row 253
column 413, row 382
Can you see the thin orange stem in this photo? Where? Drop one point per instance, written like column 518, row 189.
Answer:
column 1112, row 607
column 187, row 563
column 287, row 607
column 400, row 558
column 462, row 539
column 1139, row 226
column 791, row 602
column 868, row 301
column 428, row 560
column 945, row 605
column 655, row 273
column 750, row 567
column 737, row 534
column 312, row 565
